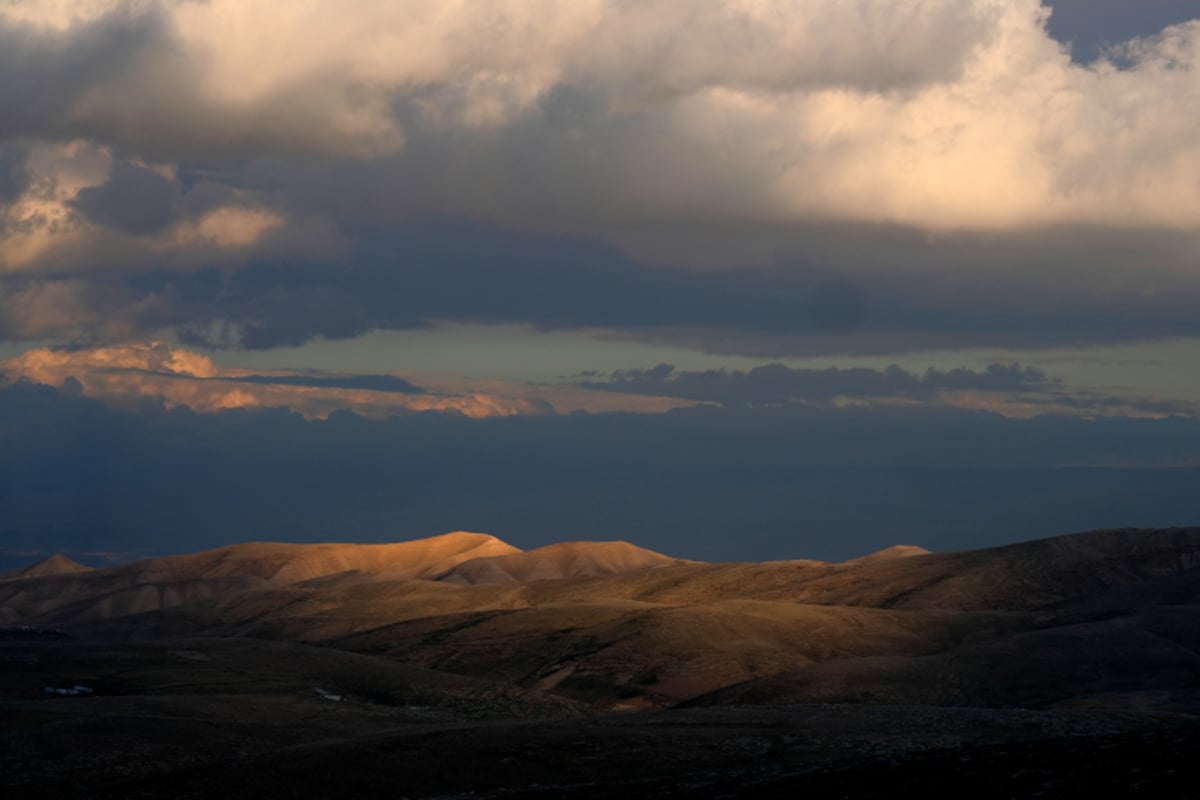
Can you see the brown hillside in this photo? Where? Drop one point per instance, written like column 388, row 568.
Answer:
column 558, row 561
column 225, row 572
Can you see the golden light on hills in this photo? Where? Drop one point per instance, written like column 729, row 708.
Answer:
column 616, row 625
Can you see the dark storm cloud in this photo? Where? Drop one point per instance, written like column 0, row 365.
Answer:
column 134, row 200
column 78, row 475
column 440, row 269
column 125, row 77
column 12, row 171
column 780, row 384
column 43, row 73
column 432, row 269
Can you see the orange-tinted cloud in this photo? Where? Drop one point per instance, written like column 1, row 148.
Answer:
column 128, row 372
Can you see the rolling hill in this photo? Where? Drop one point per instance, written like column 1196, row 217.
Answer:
column 463, row 628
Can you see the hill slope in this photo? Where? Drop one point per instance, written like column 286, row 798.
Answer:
column 614, row 625
column 292, row 563
column 227, row 571
column 558, row 561
column 57, row 564
column 354, row 669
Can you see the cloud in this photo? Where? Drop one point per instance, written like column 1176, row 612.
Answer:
column 766, row 178
column 375, row 383
column 131, row 375
column 776, row 384
column 156, row 76
column 134, row 200
column 287, row 291
column 48, row 68
column 1007, row 389
column 12, row 172
column 226, row 75
column 937, row 115
column 79, row 208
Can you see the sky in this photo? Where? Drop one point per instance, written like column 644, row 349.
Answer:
column 736, row 279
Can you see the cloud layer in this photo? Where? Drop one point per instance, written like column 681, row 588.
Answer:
column 940, row 115
column 225, row 168
column 132, row 375
column 777, row 384
column 1008, row 389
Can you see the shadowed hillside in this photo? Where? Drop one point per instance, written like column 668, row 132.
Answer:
column 463, row 628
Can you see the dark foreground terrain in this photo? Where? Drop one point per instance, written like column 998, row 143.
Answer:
column 461, row 667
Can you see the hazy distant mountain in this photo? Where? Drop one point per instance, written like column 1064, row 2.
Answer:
column 57, row 564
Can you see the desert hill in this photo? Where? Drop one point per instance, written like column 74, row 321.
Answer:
column 282, row 564
column 224, row 572
column 556, row 562
column 615, row 625
column 893, row 552
column 57, row 564
column 1083, row 641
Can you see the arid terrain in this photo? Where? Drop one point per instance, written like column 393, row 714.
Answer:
column 460, row 666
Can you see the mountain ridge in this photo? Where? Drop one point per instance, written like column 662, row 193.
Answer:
column 1105, row 619
column 1021, row 576
column 556, row 562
